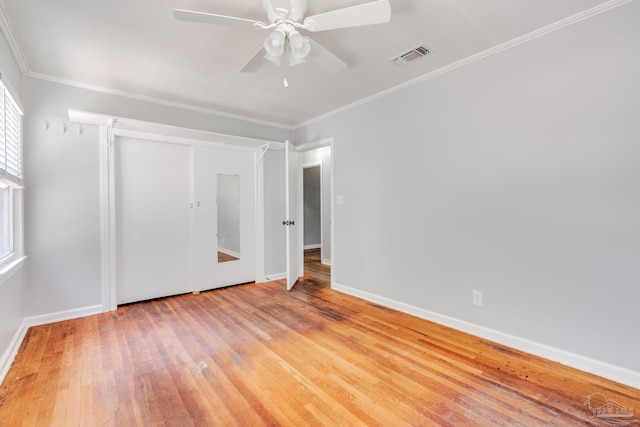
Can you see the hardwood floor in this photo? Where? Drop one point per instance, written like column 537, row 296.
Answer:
column 315, row 272
column 222, row 257
column 256, row 354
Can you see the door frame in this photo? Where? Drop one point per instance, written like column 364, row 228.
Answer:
column 111, row 126
column 309, row 146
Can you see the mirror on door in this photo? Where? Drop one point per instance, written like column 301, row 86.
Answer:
column 228, row 202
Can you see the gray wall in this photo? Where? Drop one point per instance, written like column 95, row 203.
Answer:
column 516, row 175
column 62, row 175
column 312, row 206
column 11, row 289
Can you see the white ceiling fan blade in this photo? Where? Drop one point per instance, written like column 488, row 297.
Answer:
column 325, row 58
column 211, row 18
column 255, row 62
column 375, row 12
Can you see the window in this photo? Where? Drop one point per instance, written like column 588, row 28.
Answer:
column 6, row 237
column 11, row 184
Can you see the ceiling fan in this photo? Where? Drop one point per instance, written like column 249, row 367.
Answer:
column 285, row 44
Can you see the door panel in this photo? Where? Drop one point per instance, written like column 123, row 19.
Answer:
column 153, row 219
column 294, row 217
column 211, row 166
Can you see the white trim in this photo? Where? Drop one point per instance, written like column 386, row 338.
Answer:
column 153, row 100
column 332, row 215
column 589, row 13
column 272, row 277
column 325, row 262
column 11, row 268
column 313, row 246
column 10, row 35
column 259, row 248
column 606, row 370
column 10, row 353
column 107, row 151
column 140, row 129
column 308, row 146
column 105, row 219
column 60, row 316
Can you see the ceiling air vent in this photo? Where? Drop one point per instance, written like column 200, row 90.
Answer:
column 411, row 55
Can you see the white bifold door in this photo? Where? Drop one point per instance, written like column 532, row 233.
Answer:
column 184, row 218
column 224, row 218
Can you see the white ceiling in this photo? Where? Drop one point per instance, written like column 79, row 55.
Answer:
column 137, row 47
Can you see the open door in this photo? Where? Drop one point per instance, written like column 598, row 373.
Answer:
column 293, row 222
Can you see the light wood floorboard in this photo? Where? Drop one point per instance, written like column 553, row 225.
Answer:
column 256, row 355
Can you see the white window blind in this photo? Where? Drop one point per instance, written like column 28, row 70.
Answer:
column 10, row 139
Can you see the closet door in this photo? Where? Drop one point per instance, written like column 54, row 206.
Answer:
column 153, row 197
column 224, row 217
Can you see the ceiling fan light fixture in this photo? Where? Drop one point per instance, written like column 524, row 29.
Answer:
column 296, row 40
column 293, row 60
column 298, row 45
column 274, row 59
column 275, row 43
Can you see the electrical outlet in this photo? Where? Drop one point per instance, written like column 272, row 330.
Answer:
column 477, row 298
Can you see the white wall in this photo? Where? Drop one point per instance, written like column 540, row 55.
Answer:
column 323, row 155
column 516, row 175
column 62, row 175
column 11, row 289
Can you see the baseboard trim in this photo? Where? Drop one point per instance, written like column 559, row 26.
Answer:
column 312, row 247
column 272, row 277
column 60, row 316
column 10, row 354
column 596, row 367
column 325, row 262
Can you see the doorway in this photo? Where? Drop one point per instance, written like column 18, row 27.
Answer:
column 317, row 213
column 312, row 206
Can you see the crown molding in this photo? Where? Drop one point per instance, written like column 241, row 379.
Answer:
column 563, row 23
column 150, row 99
column 7, row 30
